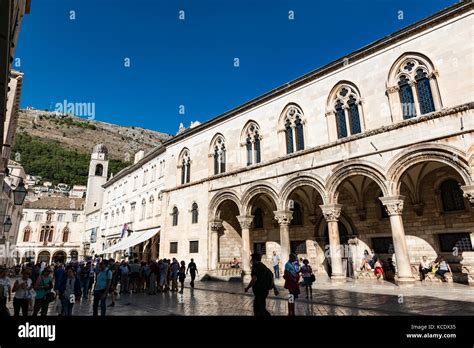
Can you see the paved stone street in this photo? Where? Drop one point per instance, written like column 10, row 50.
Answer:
column 369, row 298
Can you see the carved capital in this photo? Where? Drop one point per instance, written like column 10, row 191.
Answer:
column 331, row 212
column 393, row 204
column 215, row 225
column 245, row 221
column 283, row 217
column 393, row 89
column 468, row 192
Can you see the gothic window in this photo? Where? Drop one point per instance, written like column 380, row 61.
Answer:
column 251, row 138
column 46, row 233
column 344, row 104
column 174, row 214
column 293, row 127
column 297, row 215
column 65, row 234
column 414, row 77
column 26, row 234
column 423, row 89
column 219, row 154
column 185, row 165
column 150, row 206
column 451, row 195
column 99, row 170
column 258, row 218
column 194, row 213
column 143, row 212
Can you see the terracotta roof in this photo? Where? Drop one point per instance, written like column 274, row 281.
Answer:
column 60, row 203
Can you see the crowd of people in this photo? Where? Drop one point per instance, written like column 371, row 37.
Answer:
column 36, row 286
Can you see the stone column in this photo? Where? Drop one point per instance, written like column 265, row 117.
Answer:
column 468, row 192
column 284, row 219
column 394, row 207
column 215, row 226
column 245, row 223
column 331, row 213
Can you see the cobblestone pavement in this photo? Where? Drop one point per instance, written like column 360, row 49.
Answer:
column 228, row 298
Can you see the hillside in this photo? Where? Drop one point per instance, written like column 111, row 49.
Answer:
column 58, row 147
column 81, row 135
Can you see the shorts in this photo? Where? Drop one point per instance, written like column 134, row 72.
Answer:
column 307, row 281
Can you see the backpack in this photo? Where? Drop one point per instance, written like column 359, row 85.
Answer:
column 267, row 281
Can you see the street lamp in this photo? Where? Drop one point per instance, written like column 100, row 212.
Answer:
column 7, row 224
column 19, row 193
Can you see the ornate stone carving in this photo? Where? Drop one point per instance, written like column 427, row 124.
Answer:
column 468, row 192
column 215, row 225
column 283, row 217
column 393, row 205
column 393, row 89
column 245, row 221
column 331, row 212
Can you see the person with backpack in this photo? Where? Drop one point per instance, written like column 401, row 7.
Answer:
column 261, row 284
column 102, row 285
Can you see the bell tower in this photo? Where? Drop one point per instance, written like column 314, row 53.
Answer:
column 98, row 169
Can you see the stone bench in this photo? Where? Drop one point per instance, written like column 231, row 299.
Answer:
column 430, row 277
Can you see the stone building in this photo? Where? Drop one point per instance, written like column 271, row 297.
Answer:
column 371, row 151
column 51, row 230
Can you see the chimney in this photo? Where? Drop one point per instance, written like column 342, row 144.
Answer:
column 138, row 156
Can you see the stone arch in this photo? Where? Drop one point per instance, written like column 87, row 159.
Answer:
column 299, row 180
column 259, row 187
column 446, row 154
column 219, row 198
column 394, row 73
column 353, row 168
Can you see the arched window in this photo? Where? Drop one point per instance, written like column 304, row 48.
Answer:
column 150, row 206
column 65, row 234
column 174, row 214
column 143, row 211
column 99, row 170
column 258, row 218
column 414, row 78
column 194, row 213
column 27, row 234
column 297, row 215
column 451, row 195
column 219, row 154
column 251, row 139
column 293, row 124
column 345, row 104
column 46, row 233
column 185, row 166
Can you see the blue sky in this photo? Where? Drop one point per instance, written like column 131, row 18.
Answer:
column 190, row 62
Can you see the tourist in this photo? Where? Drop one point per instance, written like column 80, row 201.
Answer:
column 43, row 287
column 425, row 267
column 443, row 268
column 276, row 264
column 373, row 260
column 308, row 277
column 163, row 270
column 144, row 277
column 378, row 269
column 102, row 285
column 168, row 275
column 261, row 283
column 22, row 288
column 69, row 291
column 135, row 280
column 235, row 263
column 366, row 261
column 35, row 273
column 182, row 275
column 291, row 277
column 192, row 268
column 84, row 278
column 174, row 274
column 153, row 274
column 5, row 292
column 58, row 275
column 124, row 277
column 114, row 268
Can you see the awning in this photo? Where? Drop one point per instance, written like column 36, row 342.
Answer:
column 135, row 238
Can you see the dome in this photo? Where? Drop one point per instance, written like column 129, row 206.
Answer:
column 100, row 148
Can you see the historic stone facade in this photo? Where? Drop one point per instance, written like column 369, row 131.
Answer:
column 372, row 151
column 51, row 230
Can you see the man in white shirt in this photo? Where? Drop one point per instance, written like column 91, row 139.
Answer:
column 276, row 264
